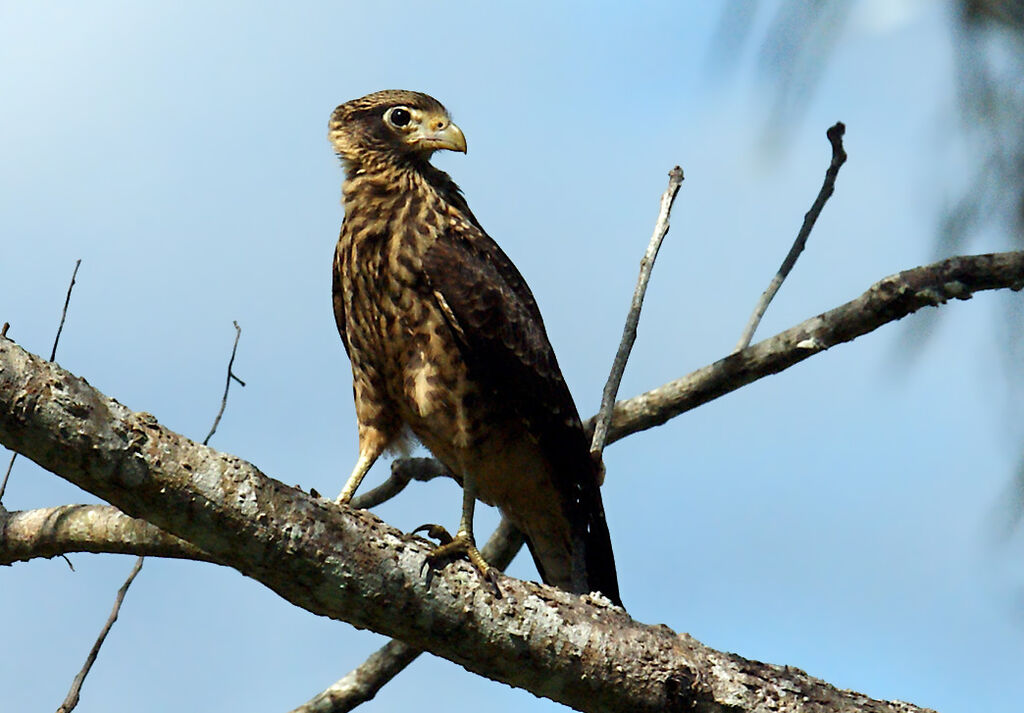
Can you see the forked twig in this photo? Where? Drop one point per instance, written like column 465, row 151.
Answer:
column 611, row 388
column 227, row 385
column 835, row 137
column 71, row 700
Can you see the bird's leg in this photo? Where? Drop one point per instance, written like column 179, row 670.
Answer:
column 358, row 473
column 371, row 444
column 463, row 543
column 371, row 447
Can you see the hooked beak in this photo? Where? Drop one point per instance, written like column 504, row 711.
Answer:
column 439, row 133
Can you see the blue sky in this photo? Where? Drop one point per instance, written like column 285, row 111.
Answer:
column 840, row 517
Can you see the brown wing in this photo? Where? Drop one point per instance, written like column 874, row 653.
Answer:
column 338, row 297
column 506, row 348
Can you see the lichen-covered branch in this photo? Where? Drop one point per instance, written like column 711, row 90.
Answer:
column 362, row 683
column 349, row 565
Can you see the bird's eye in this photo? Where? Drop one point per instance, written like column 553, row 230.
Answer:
column 399, row 116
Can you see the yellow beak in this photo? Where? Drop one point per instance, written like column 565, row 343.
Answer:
column 438, row 132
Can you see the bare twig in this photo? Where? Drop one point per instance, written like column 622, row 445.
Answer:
column 835, row 137
column 76, row 686
column 611, row 388
column 227, row 385
column 362, row 683
column 53, row 353
column 7, row 475
column 64, row 312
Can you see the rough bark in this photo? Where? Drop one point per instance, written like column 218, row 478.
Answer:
column 349, row 565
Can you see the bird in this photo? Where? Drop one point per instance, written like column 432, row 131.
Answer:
column 448, row 347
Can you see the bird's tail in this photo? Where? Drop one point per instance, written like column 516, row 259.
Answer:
column 597, row 545
column 574, row 550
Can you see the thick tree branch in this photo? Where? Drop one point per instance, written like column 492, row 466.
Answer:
column 886, row 301
column 51, row 532
column 350, row 566
column 362, row 683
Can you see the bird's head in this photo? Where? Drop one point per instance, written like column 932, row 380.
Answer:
column 392, row 125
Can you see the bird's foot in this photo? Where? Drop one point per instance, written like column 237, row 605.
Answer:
column 460, row 545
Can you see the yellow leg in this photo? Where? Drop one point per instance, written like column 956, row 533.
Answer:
column 463, row 543
column 366, row 459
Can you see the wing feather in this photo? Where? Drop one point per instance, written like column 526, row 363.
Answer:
column 495, row 316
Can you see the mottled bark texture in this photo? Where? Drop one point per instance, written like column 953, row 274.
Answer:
column 350, row 566
column 362, row 683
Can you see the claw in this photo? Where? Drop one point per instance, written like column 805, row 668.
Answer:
column 437, row 532
column 452, row 547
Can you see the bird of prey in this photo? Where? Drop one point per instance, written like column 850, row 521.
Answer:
column 446, row 342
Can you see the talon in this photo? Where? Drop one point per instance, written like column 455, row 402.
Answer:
column 435, row 531
column 452, row 547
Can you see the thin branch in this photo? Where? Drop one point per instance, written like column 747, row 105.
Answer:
column 227, row 385
column 55, row 531
column 64, row 311
column 76, row 686
column 53, row 353
column 611, row 388
column 7, row 475
column 835, row 137
column 362, row 683
column 888, row 300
